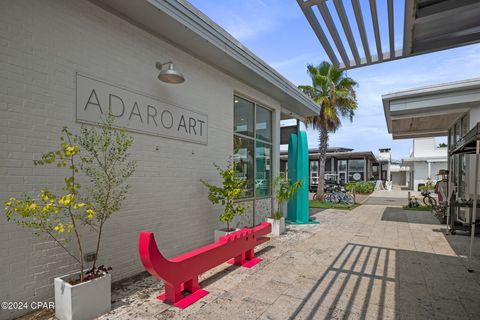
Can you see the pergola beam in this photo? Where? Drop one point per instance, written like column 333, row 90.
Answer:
column 408, row 27
column 361, row 28
column 312, row 20
column 391, row 31
column 429, row 26
column 347, row 29
column 325, row 13
column 376, row 29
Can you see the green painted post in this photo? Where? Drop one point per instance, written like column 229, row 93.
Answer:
column 298, row 208
column 292, row 175
column 302, row 174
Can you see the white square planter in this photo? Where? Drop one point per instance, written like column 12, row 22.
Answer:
column 220, row 233
column 86, row 300
column 278, row 226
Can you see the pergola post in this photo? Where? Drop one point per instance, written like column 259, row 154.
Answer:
column 474, row 210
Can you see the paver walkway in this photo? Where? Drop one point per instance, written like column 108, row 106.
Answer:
column 375, row 262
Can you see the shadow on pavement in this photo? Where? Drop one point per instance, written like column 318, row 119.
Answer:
column 371, row 282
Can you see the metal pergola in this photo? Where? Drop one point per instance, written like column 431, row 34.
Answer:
column 428, row 26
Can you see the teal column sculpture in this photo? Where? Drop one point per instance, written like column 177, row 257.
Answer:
column 292, row 176
column 298, row 170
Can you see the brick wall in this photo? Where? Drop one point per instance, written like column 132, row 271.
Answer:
column 42, row 45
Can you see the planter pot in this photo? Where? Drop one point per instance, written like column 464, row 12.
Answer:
column 221, row 232
column 86, row 300
column 278, row 226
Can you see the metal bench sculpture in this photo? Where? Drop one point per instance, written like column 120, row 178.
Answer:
column 181, row 273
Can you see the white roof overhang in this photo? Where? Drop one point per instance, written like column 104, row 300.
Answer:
column 429, row 111
column 187, row 28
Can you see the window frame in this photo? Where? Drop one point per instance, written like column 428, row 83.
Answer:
column 254, row 139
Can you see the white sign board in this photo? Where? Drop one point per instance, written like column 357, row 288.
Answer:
column 137, row 112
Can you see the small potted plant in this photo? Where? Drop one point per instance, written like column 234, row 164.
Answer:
column 70, row 213
column 226, row 195
column 284, row 191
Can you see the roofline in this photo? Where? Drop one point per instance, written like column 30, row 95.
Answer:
column 448, row 87
column 216, row 38
column 453, row 86
column 341, row 154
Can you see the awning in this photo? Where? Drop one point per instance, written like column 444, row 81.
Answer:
column 428, row 26
column 429, row 111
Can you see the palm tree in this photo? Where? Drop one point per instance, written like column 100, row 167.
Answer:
column 335, row 93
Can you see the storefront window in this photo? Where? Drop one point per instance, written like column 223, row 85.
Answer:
column 243, row 158
column 356, row 170
column 252, row 146
column 263, row 124
column 243, row 115
column 262, row 169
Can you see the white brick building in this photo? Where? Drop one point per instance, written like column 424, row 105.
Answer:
column 45, row 44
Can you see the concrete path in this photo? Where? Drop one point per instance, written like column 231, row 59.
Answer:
column 375, row 262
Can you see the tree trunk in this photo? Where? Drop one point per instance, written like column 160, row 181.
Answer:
column 322, row 150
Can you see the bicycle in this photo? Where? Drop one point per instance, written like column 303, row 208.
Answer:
column 428, row 200
column 440, row 211
column 338, row 196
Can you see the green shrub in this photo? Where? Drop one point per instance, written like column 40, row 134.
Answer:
column 349, row 186
column 429, row 185
column 363, row 187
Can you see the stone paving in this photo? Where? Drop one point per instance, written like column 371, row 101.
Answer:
column 374, row 262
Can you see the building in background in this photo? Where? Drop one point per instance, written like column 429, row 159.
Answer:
column 426, row 159
column 384, row 164
column 342, row 165
column 399, row 174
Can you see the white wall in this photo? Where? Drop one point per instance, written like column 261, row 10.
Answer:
column 420, row 171
column 42, row 45
column 426, row 147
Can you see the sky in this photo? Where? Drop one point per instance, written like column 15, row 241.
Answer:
column 277, row 32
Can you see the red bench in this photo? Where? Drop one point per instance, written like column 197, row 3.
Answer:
column 181, row 273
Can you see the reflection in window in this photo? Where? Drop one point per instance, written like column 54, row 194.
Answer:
column 243, row 159
column 465, row 126
column 457, row 131
column 243, row 116
column 356, row 170
column 252, row 146
column 263, row 124
column 263, row 166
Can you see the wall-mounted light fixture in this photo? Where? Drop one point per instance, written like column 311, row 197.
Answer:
column 168, row 74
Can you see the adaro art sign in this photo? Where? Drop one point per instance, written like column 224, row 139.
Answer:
column 137, row 112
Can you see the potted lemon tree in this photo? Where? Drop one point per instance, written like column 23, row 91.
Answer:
column 102, row 155
column 284, row 191
column 226, row 195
